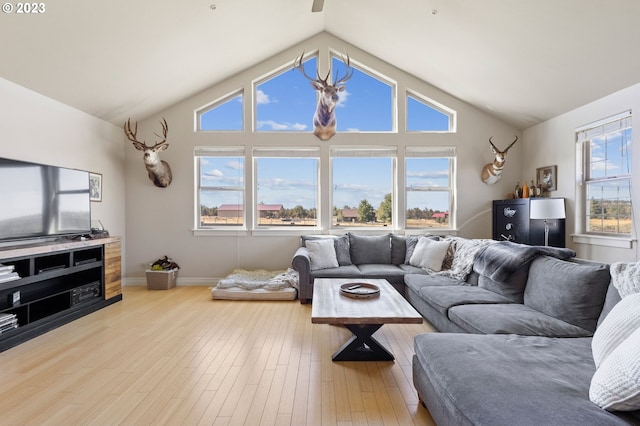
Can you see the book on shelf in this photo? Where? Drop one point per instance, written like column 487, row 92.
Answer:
column 9, row 277
column 6, row 269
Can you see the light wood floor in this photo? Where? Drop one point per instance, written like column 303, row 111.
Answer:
column 178, row 357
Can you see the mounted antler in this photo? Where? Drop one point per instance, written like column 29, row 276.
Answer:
column 159, row 170
column 492, row 172
column 324, row 119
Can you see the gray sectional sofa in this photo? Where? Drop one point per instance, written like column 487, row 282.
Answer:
column 516, row 325
column 516, row 347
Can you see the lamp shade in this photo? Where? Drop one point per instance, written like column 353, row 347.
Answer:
column 547, row 208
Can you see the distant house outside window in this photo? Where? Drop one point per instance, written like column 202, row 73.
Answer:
column 429, row 186
column 220, row 187
column 286, row 182
column 362, row 186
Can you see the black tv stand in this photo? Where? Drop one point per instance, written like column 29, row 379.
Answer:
column 59, row 282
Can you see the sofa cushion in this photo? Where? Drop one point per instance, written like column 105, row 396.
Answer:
column 568, row 291
column 408, row 269
column 611, row 299
column 512, row 318
column 429, row 254
column 443, row 298
column 379, row 271
column 417, row 281
column 398, row 249
column 410, row 246
column 508, row 380
column 511, row 288
column 343, row 252
column 322, row 254
column 349, row 271
column 370, row 249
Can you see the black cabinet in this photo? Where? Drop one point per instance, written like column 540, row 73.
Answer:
column 511, row 223
column 51, row 286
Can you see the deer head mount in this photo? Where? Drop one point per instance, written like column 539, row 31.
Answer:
column 324, row 119
column 159, row 170
column 492, row 172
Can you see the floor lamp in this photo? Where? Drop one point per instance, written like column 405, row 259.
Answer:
column 547, row 209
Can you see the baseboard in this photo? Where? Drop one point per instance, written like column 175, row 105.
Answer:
column 188, row 281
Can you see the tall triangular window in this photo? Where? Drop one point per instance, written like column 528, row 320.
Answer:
column 423, row 116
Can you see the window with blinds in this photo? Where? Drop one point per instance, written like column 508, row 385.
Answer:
column 220, row 186
column 606, row 175
column 362, row 186
column 429, row 175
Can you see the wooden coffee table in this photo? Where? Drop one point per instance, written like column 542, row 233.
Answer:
column 362, row 316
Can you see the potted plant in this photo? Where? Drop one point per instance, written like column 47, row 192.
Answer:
column 162, row 274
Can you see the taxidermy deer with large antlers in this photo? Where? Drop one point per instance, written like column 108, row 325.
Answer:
column 492, row 172
column 159, row 170
column 324, row 119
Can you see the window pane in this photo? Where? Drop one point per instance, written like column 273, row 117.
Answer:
column 221, row 191
column 609, row 155
column 422, row 117
column 360, row 186
column 609, row 207
column 287, row 101
column 428, row 192
column 366, row 104
column 427, row 173
column 428, row 209
column 224, row 116
column 287, row 191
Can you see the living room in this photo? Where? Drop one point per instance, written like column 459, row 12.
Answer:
column 46, row 120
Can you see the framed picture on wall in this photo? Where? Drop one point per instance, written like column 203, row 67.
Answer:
column 95, row 186
column 547, row 178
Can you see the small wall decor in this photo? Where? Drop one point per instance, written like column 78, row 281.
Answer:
column 95, row 187
column 547, row 178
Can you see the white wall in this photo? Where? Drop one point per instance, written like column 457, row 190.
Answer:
column 160, row 220
column 554, row 142
column 36, row 128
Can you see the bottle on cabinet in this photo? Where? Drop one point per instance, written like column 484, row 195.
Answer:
column 525, row 190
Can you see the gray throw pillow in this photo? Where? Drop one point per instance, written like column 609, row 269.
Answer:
column 568, row 291
column 367, row 249
column 342, row 250
column 398, row 249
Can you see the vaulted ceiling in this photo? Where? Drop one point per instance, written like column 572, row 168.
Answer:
column 523, row 61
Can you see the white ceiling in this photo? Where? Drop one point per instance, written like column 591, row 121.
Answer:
column 524, row 61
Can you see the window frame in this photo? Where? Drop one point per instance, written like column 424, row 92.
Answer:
column 284, row 152
column 433, row 104
column 584, row 136
column 448, row 152
column 226, row 152
column 390, row 152
column 215, row 104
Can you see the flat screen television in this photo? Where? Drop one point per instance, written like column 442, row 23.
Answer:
column 42, row 201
